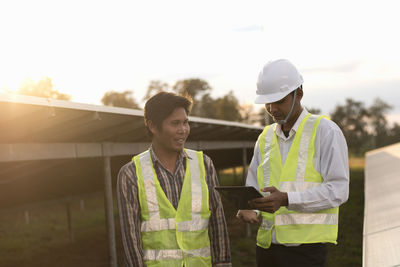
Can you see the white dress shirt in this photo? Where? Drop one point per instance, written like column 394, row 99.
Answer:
column 330, row 160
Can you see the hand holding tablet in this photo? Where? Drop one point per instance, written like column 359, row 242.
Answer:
column 239, row 194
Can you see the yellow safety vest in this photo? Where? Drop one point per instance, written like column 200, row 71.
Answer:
column 174, row 237
column 297, row 175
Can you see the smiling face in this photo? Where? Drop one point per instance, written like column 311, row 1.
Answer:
column 173, row 133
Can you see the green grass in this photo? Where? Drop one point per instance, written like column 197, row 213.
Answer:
column 45, row 241
column 348, row 252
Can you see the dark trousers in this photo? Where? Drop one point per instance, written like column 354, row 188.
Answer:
column 307, row 255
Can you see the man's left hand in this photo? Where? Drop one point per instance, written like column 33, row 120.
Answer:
column 270, row 203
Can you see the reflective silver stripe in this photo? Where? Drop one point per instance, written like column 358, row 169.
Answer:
column 148, row 180
column 154, row 223
column 267, row 151
column 296, row 186
column 201, row 252
column 266, row 224
column 303, row 148
column 157, row 224
column 151, row 195
column 175, row 254
column 165, row 254
column 196, row 224
column 306, row 218
column 195, row 179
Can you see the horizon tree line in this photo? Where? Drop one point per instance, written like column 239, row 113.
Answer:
column 364, row 128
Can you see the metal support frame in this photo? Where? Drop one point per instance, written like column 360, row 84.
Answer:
column 244, row 157
column 33, row 139
column 45, row 151
column 109, row 206
column 69, row 220
column 51, row 151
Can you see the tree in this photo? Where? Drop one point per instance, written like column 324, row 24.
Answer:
column 247, row 113
column 378, row 122
column 117, row 99
column 352, row 119
column 394, row 134
column 43, row 88
column 195, row 88
column 365, row 128
column 227, row 108
column 207, row 107
column 255, row 117
column 155, row 87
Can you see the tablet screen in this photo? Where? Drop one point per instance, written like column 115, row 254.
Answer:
column 239, row 194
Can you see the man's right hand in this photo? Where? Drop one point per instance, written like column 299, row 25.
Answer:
column 248, row 216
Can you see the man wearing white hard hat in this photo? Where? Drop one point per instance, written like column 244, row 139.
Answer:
column 300, row 163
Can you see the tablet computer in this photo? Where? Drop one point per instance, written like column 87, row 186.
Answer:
column 239, row 194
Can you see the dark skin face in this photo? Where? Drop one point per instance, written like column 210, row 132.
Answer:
column 276, row 199
column 169, row 140
column 279, row 109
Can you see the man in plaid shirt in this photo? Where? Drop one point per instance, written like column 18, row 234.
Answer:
column 166, row 119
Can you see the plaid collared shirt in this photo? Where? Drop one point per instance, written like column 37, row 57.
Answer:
column 129, row 208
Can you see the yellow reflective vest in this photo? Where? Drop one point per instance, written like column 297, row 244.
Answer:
column 297, row 175
column 173, row 237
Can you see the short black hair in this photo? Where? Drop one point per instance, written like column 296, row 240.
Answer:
column 300, row 87
column 161, row 105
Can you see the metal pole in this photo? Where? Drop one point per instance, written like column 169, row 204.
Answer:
column 69, row 220
column 234, row 175
column 108, row 199
column 27, row 220
column 82, row 204
column 244, row 154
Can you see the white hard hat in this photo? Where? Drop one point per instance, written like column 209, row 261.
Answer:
column 276, row 80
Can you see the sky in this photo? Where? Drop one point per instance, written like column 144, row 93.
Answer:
column 343, row 49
